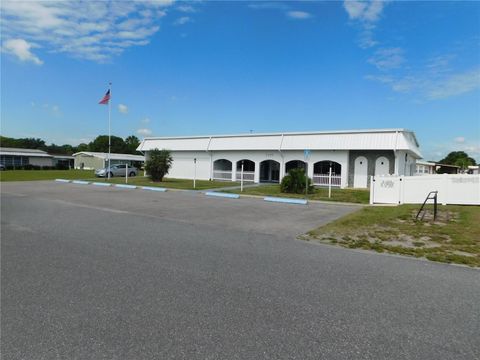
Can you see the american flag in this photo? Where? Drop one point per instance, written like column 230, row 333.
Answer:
column 106, row 98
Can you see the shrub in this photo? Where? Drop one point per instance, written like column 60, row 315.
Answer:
column 159, row 164
column 61, row 166
column 294, row 182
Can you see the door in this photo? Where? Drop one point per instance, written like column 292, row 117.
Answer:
column 360, row 175
column 382, row 166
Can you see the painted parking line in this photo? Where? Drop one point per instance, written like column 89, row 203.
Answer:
column 225, row 195
column 125, row 186
column 62, row 180
column 286, row 200
column 152, row 188
column 80, row 182
column 101, row 184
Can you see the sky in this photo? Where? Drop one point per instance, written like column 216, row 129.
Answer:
column 204, row 67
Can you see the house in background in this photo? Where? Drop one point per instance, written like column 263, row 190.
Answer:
column 88, row 160
column 352, row 156
column 63, row 161
column 425, row 167
column 473, row 169
column 16, row 157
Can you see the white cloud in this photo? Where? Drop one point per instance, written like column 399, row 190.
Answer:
column 21, row 49
column 367, row 11
column 186, row 8
column 92, row 30
column 459, row 139
column 432, row 86
column 300, row 15
column 366, row 14
column 268, row 5
column 146, row 120
column 455, row 84
column 144, row 132
column 123, row 108
column 387, row 58
column 182, row 20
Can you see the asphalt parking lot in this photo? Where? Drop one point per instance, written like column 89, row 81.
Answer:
column 90, row 272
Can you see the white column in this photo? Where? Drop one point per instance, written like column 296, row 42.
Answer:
column 256, row 176
column 234, row 171
column 310, row 169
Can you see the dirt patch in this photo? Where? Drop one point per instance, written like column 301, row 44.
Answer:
column 448, row 238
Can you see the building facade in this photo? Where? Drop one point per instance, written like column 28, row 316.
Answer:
column 346, row 158
column 16, row 157
column 88, row 160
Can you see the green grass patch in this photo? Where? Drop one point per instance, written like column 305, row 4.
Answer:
column 343, row 195
column 453, row 238
column 170, row 183
column 33, row 175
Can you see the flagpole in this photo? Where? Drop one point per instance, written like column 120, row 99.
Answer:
column 109, row 127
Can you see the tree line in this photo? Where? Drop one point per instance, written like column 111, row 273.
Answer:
column 99, row 144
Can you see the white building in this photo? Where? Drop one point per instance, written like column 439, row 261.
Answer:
column 89, row 160
column 425, row 168
column 352, row 155
column 17, row 157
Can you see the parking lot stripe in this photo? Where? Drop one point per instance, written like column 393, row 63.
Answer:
column 286, row 200
column 219, row 194
column 81, row 182
column 153, row 188
column 125, row 186
column 101, row 184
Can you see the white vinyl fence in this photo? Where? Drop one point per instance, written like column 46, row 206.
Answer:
column 452, row 189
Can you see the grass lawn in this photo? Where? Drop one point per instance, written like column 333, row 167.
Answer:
column 184, row 184
column 453, row 238
column 344, row 195
column 29, row 175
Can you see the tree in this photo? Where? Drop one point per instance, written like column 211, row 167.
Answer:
column 295, row 182
column 81, row 147
column 25, row 143
column 132, row 143
column 158, row 164
column 100, row 144
column 458, row 158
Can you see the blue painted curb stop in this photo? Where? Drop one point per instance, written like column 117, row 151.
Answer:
column 81, row 182
column 101, row 184
column 219, row 194
column 62, row 180
column 286, row 200
column 152, row 188
column 125, row 186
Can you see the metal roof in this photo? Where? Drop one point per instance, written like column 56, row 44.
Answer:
column 376, row 139
column 113, row 156
column 23, row 152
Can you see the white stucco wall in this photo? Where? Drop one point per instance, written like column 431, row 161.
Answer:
column 40, row 161
column 183, row 165
column 402, row 167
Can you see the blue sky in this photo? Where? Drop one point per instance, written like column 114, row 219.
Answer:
column 191, row 68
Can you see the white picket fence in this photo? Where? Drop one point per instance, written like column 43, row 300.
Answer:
column 222, row 175
column 322, row 180
column 247, row 176
column 458, row 189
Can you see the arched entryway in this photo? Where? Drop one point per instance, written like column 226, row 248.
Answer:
column 270, row 171
column 360, row 174
column 382, row 166
column 295, row 164
column 222, row 170
column 248, row 170
column 321, row 173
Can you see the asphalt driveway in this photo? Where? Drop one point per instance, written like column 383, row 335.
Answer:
column 90, row 273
